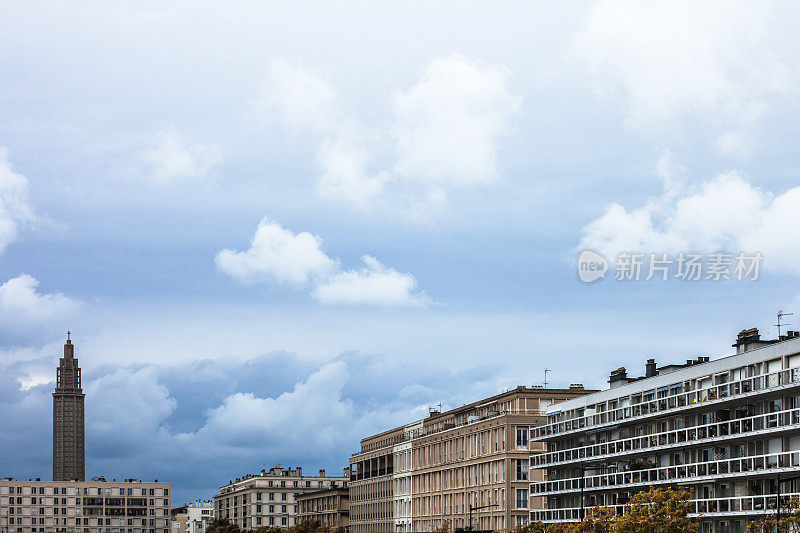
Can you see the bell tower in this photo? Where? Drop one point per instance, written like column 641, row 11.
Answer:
column 68, row 450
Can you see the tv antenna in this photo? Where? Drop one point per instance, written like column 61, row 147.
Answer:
column 781, row 314
column 546, row 370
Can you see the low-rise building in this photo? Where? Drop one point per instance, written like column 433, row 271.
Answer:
column 727, row 429
column 270, row 498
column 193, row 517
column 84, row 506
column 331, row 507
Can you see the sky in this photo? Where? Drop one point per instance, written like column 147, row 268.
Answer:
column 276, row 229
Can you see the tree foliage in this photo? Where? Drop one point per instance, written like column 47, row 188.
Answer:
column 223, row 525
column 651, row 511
column 789, row 519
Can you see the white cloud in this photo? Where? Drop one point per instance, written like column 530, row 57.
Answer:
column 298, row 97
column 279, row 254
column 310, row 411
column 672, row 60
column 15, row 209
column 726, row 213
column 374, row 285
column 448, row 125
column 30, row 318
column 443, row 134
column 282, row 256
column 20, row 301
column 345, row 175
column 174, row 159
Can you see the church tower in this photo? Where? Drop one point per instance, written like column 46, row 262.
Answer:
column 68, row 453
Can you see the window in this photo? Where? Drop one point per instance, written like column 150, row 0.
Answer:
column 283, row 508
column 283, row 497
column 271, row 508
column 271, row 496
column 522, row 498
column 522, row 438
column 522, row 470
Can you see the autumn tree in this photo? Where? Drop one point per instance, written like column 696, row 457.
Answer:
column 657, row 511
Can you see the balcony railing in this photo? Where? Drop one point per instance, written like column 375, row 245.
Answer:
column 737, row 505
column 670, row 402
column 695, row 435
column 731, row 467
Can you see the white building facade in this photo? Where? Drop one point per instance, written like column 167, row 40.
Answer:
column 728, row 429
column 402, row 480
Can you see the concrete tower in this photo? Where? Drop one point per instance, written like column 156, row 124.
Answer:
column 68, row 452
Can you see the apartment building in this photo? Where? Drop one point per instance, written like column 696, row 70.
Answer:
column 469, row 463
column 192, row 517
column 84, row 507
column 728, row 429
column 331, row 507
column 270, row 498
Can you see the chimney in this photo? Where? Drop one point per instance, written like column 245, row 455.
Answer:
column 576, row 386
column 322, row 472
column 747, row 339
column 650, row 368
column 618, row 377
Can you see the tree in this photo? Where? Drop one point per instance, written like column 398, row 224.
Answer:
column 222, row 525
column 651, row 511
column 789, row 523
column 657, row 511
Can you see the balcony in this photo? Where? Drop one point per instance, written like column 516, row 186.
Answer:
column 731, row 467
column 695, row 435
column 674, row 402
column 707, row 508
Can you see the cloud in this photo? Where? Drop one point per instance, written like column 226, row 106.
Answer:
column 345, row 175
column 277, row 254
column 443, row 134
column 174, row 159
column 312, row 416
column 448, row 125
column 375, row 284
column 672, row 61
column 726, row 213
column 15, row 209
column 27, row 314
column 297, row 97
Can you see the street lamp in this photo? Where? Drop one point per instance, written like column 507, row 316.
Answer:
column 471, row 508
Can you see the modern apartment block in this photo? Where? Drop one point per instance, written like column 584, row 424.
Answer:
column 270, row 498
column 84, row 507
column 433, row 471
column 728, row 429
column 331, row 507
column 192, row 517
column 68, row 429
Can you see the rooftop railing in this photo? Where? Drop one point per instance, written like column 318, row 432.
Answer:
column 671, row 402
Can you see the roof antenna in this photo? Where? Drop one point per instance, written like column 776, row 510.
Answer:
column 781, row 314
column 546, row 370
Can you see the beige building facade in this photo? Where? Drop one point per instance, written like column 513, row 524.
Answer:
column 271, row 497
column 470, row 463
column 84, row 507
column 331, row 507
